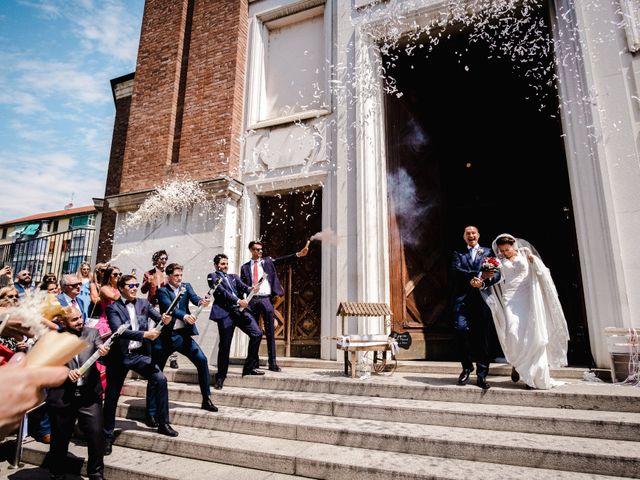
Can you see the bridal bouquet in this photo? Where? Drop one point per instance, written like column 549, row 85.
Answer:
column 491, row 264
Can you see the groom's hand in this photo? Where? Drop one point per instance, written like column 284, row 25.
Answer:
column 476, row 282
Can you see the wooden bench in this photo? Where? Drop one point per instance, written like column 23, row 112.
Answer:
column 364, row 343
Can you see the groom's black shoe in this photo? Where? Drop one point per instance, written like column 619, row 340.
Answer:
column 515, row 376
column 464, row 376
column 482, row 383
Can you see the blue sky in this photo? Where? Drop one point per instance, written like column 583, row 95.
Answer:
column 56, row 106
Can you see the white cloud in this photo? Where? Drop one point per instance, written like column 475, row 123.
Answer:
column 41, row 183
column 48, row 8
column 65, row 79
column 110, row 29
column 22, row 102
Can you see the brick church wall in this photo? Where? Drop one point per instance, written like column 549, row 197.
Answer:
column 189, row 89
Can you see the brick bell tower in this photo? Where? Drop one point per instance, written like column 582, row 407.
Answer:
column 178, row 116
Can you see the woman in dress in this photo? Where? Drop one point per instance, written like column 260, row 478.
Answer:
column 109, row 293
column 95, row 310
column 84, row 275
column 527, row 313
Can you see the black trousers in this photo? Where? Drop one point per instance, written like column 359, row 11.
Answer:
column 88, row 412
column 178, row 341
column 226, row 326
column 116, row 374
column 262, row 306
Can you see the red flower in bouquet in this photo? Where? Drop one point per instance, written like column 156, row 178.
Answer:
column 491, row 264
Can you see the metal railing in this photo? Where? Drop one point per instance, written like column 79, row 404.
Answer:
column 59, row 253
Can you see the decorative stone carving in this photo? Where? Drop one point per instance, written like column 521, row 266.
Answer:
column 296, row 145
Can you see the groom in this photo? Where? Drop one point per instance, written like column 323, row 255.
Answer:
column 473, row 324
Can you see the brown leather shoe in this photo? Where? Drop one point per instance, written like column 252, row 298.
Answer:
column 44, row 439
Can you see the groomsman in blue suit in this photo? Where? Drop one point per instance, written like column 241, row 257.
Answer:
column 177, row 337
column 473, row 322
column 227, row 313
column 262, row 303
column 132, row 351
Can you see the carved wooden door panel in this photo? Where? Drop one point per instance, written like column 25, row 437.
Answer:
column 287, row 220
column 417, row 253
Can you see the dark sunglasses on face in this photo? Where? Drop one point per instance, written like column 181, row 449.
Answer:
column 116, row 274
column 74, row 285
column 133, row 285
column 12, row 296
column 257, row 249
column 163, row 258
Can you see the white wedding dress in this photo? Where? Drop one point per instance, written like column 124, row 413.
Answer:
column 529, row 320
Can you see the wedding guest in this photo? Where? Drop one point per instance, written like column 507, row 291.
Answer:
column 227, row 313
column 177, row 336
column 95, row 309
column 13, row 342
column 79, row 398
column 152, row 281
column 529, row 320
column 70, row 296
column 48, row 278
column 22, row 390
column 132, row 351
column 6, row 276
column 262, row 303
column 84, row 275
column 50, row 287
column 473, row 325
column 24, row 283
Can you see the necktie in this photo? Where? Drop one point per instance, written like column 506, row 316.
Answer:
column 255, row 273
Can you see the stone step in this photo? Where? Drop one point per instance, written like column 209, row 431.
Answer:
column 579, row 423
column 523, row 449
column 326, row 460
column 128, row 464
column 575, row 394
column 418, row 366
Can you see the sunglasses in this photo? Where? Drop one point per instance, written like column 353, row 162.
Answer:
column 12, row 296
column 163, row 258
column 257, row 249
column 133, row 285
column 74, row 285
column 116, row 274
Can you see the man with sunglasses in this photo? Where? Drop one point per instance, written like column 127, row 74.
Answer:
column 71, row 285
column 152, row 281
column 177, row 336
column 262, row 302
column 132, row 351
column 80, row 397
column 24, row 283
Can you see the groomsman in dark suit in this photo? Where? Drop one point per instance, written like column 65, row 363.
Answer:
column 132, row 351
column 262, row 303
column 177, row 336
column 473, row 322
column 80, row 397
column 226, row 313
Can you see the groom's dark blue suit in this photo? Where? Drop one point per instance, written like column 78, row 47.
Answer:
column 473, row 322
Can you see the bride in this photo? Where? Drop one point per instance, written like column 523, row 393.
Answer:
column 527, row 313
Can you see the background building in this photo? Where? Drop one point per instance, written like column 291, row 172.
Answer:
column 49, row 242
column 279, row 109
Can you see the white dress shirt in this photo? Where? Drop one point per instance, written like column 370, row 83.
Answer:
column 178, row 323
column 265, row 288
column 131, row 308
